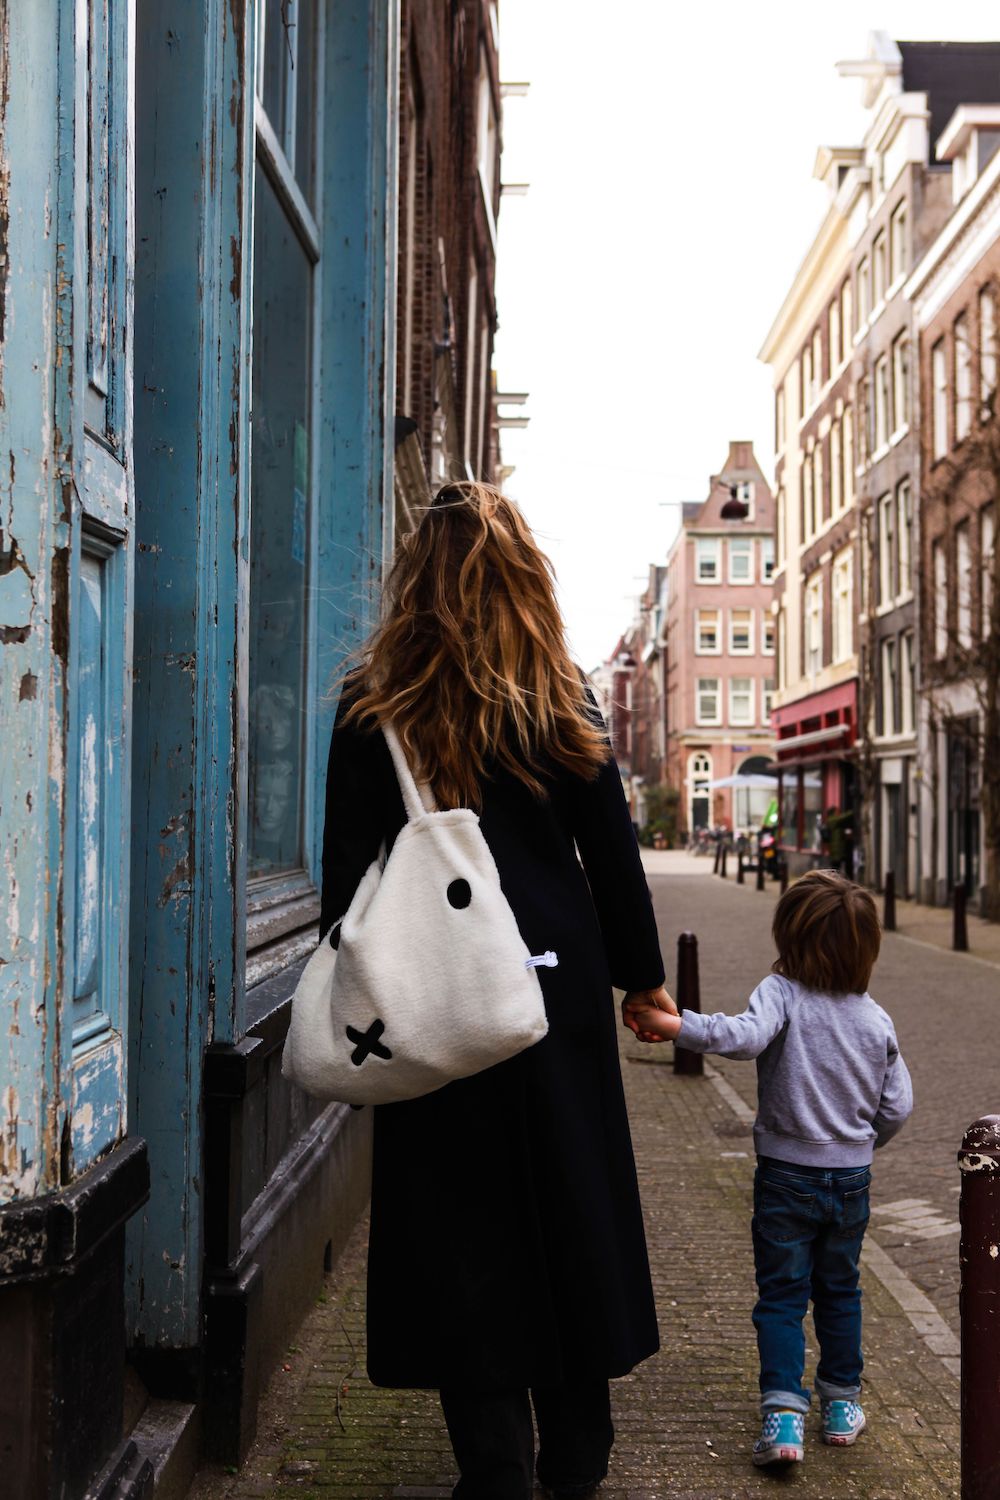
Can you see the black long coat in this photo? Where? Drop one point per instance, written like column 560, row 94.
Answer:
column 507, row 1246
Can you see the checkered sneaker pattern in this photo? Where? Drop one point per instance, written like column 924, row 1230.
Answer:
column 782, row 1438
column 842, row 1421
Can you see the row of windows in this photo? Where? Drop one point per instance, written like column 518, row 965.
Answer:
column 895, row 546
column 952, row 403
column 847, row 315
column 742, row 634
column 841, row 614
column 742, row 701
column 897, row 685
column 954, row 572
column 885, row 400
column 817, row 506
column 740, row 549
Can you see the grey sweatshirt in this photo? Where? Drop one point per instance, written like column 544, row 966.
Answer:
column 831, row 1084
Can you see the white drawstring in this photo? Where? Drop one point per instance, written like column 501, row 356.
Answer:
column 547, row 960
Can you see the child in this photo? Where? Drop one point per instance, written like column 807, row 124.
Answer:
column 831, row 1087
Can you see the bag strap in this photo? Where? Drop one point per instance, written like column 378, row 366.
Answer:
column 417, row 797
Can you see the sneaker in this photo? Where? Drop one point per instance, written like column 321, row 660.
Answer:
column 782, row 1439
column 842, row 1421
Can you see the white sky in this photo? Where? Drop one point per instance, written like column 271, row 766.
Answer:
column 670, row 152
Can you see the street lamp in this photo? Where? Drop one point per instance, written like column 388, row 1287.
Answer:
column 735, row 509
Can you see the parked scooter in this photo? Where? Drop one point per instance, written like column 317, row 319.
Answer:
column 767, row 853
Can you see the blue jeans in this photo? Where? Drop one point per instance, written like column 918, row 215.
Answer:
column 808, row 1227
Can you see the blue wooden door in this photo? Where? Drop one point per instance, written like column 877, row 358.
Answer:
column 100, row 592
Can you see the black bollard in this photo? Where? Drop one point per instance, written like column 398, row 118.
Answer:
column 959, row 926
column 760, row 871
column 979, row 1306
column 718, row 855
column 739, row 869
column 784, row 876
column 722, row 867
column 688, row 997
column 889, row 903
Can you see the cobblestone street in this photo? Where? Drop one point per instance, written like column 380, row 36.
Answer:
column 686, row 1419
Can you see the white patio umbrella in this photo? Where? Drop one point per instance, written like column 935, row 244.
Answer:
column 756, row 782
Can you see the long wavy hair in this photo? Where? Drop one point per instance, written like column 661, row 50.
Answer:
column 470, row 663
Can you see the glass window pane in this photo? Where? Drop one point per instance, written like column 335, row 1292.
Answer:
column 305, row 96
column 277, row 33
column 279, row 529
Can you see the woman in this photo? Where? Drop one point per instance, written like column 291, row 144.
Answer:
column 507, row 1252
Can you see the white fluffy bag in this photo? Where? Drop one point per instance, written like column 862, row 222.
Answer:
column 432, row 980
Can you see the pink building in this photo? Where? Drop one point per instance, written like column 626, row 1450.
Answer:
column 720, row 647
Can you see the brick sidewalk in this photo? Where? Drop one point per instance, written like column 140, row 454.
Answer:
column 686, row 1419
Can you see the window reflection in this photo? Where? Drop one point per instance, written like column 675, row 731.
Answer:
column 278, row 537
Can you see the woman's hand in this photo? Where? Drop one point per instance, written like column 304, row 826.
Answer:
column 648, row 1014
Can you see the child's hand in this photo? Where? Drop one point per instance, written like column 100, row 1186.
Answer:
column 651, row 1015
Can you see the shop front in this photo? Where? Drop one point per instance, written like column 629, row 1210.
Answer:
column 817, row 778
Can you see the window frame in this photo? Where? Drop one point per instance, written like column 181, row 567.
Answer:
column 813, row 622
column 699, row 648
column 907, row 688
column 939, row 613
column 897, row 242
column 987, row 543
column 886, row 512
column 900, row 384
column 904, row 549
column 889, row 664
column 880, row 270
column 700, row 719
column 963, row 583
column 767, row 559
column 295, row 888
column 864, row 299
column 842, row 628
column 988, row 362
column 748, row 693
column 768, row 633
column 702, row 546
column 748, row 649
column 962, row 406
column 740, row 542
column 880, row 434
column 939, row 400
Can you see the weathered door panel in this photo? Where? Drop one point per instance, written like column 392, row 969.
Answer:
column 66, row 521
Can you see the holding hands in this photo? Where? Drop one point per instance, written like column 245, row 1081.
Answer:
column 651, row 1015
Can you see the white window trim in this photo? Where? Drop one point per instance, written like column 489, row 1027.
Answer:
column 813, row 589
column 841, row 650
column 699, row 649
column 749, row 579
column 764, row 559
column 768, row 618
column 742, row 650
column 751, row 721
column 699, row 718
column 703, row 543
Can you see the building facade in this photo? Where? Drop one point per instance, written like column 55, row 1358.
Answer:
column 909, row 88
column 720, row 647
column 954, row 290
column 809, row 349
column 199, row 319
column 449, row 203
column 848, row 468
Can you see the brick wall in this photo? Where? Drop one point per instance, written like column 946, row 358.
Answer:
column 446, row 246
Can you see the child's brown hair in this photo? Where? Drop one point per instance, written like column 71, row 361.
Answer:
column 826, row 930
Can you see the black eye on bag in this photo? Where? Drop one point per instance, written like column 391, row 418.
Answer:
column 459, row 894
